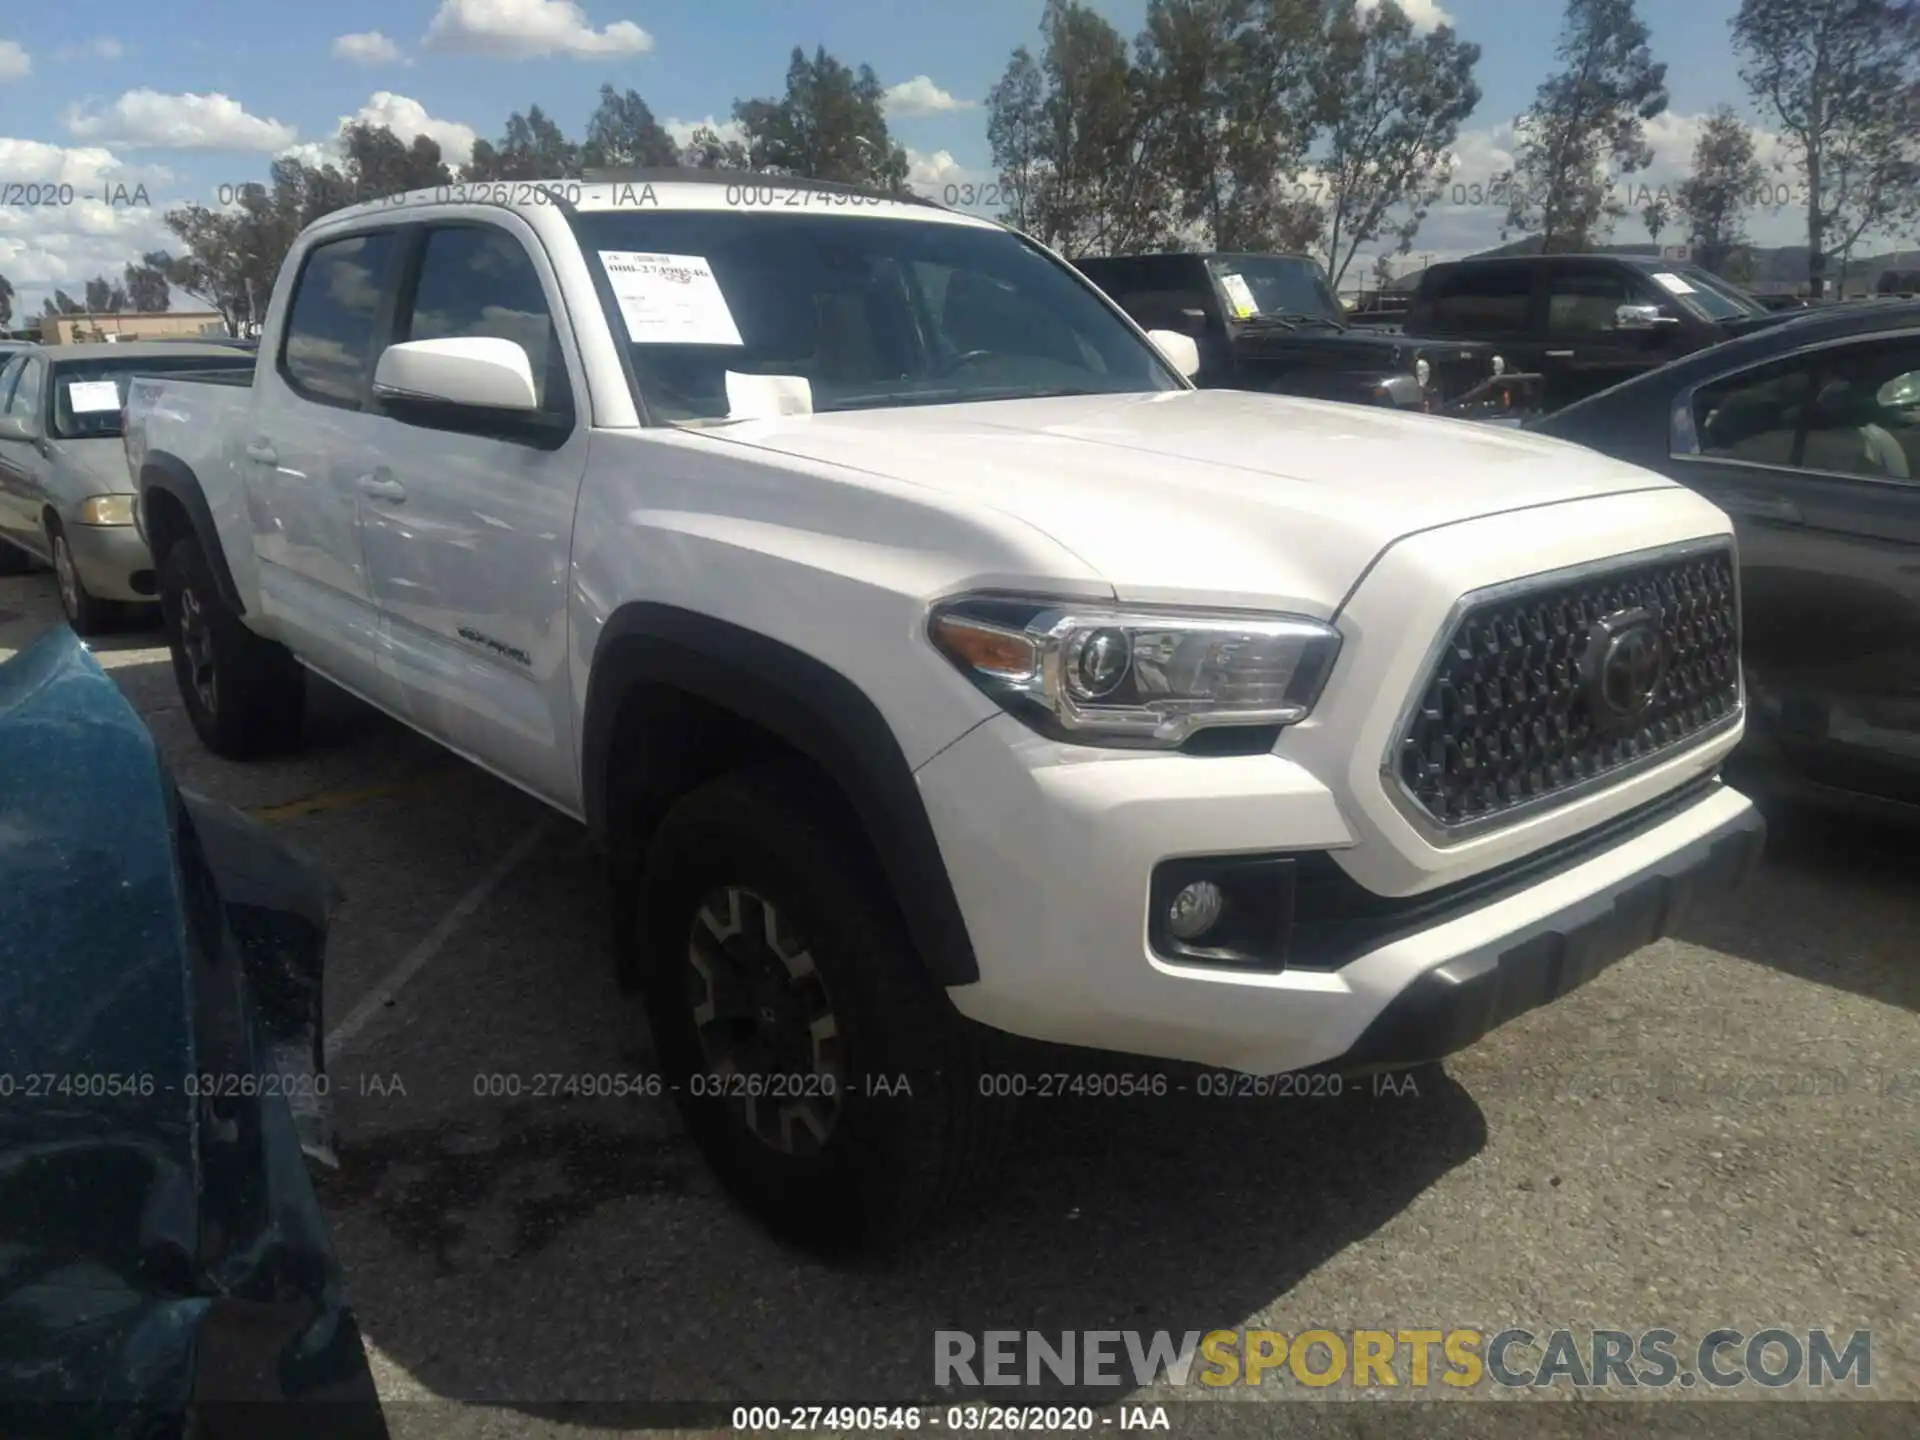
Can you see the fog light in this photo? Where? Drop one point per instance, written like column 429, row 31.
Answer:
column 1196, row 909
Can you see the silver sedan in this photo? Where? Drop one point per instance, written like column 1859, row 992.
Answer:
column 66, row 499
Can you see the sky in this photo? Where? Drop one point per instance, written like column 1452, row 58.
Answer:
column 144, row 107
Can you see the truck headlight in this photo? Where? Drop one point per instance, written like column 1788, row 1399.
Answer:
column 107, row 510
column 1104, row 675
column 1499, row 364
column 1423, row 372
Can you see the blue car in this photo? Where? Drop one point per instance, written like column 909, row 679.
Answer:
column 165, row 1268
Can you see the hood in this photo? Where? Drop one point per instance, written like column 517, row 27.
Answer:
column 1208, row 496
column 102, row 463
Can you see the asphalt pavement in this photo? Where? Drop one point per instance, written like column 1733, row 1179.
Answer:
column 1722, row 1131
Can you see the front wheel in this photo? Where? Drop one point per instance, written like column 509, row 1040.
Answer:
column 828, row 1080
column 245, row 696
column 87, row 615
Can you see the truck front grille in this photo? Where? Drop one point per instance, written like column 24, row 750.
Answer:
column 1544, row 688
column 1454, row 377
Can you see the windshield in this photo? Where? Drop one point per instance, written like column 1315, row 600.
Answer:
column 1274, row 285
column 850, row 314
column 1706, row 294
column 88, row 395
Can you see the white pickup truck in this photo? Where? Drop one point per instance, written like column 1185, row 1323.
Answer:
column 936, row 664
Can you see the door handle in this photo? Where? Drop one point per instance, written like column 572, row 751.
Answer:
column 1761, row 507
column 1559, row 354
column 263, row 452
column 380, row 486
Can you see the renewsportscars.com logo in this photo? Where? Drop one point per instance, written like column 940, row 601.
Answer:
column 1451, row 1360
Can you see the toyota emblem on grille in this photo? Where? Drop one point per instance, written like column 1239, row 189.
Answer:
column 1625, row 661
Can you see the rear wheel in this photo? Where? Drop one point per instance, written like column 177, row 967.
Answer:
column 244, row 695
column 87, row 615
column 829, row 1081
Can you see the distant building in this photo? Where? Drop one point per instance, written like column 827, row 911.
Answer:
column 156, row 325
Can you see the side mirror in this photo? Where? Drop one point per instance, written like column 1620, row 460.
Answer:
column 1643, row 318
column 1179, row 350
column 17, row 427
column 478, row 371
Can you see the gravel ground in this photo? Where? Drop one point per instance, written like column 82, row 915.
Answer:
column 1723, row 1131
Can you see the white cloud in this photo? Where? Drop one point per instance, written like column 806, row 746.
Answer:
column 525, row 29
column 368, row 48
column 682, row 130
column 1425, row 14
column 938, row 176
column 14, row 64
column 147, row 118
column 920, row 96
column 104, row 47
column 48, row 247
column 404, row 116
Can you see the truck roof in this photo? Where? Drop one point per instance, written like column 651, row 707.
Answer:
column 672, row 190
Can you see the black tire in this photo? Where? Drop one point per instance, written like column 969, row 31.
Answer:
column 14, row 560
column 245, row 696
column 912, row 1133
column 87, row 615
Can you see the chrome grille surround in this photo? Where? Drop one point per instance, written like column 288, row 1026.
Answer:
column 1501, row 725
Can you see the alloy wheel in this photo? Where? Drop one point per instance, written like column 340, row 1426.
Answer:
column 196, row 644
column 66, row 576
column 765, row 1021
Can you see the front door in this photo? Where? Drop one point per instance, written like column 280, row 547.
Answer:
column 469, row 528
column 306, row 454
column 1586, row 351
column 23, row 462
column 1817, row 458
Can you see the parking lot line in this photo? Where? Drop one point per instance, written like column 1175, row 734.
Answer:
column 328, row 800
column 417, row 959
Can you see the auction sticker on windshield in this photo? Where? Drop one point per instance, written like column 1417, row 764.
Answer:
column 1241, row 294
column 90, row 397
column 1672, row 284
column 669, row 299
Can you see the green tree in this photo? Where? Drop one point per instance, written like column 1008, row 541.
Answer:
column 1713, row 200
column 1228, row 115
column 105, row 297
column 1589, row 113
column 61, row 303
column 146, row 285
column 830, row 125
column 6, row 302
column 1392, row 103
column 623, row 135
column 533, row 148
column 706, row 150
column 1017, row 135
column 1656, row 214
column 1094, row 143
column 1840, row 78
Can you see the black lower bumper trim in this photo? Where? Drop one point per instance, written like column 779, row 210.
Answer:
column 1454, row 1004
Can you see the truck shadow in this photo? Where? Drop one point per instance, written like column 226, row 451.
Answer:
column 1834, row 901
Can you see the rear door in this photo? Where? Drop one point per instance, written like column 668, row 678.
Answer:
column 307, row 453
column 1493, row 302
column 1817, row 458
column 469, row 526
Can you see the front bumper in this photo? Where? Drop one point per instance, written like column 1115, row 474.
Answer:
column 113, row 561
column 1052, row 848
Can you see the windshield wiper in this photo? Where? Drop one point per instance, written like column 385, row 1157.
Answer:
column 1303, row 319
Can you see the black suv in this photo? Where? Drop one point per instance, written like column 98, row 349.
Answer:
column 1583, row 322
column 1271, row 322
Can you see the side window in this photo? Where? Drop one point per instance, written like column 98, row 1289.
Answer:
column 1755, row 416
column 1865, row 416
column 1581, row 300
column 327, row 353
column 1492, row 299
column 9, row 373
column 25, row 403
column 479, row 281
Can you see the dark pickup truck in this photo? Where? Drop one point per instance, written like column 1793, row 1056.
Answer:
column 1583, row 323
column 1271, row 323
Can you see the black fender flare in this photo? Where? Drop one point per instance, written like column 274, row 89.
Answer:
column 168, row 474
column 813, row 709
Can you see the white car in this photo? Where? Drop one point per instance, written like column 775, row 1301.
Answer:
column 936, row 664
